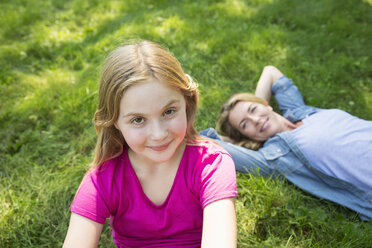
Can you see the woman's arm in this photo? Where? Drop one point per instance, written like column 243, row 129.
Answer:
column 245, row 160
column 268, row 76
column 219, row 224
column 82, row 232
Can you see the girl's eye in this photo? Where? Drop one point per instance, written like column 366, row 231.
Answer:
column 138, row 120
column 169, row 112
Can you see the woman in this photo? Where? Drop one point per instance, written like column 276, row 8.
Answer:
column 325, row 152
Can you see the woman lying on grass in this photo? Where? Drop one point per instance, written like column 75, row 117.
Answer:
column 326, row 152
column 160, row 184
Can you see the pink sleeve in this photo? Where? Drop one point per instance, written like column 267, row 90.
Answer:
column 218, row 178
column 88, row 201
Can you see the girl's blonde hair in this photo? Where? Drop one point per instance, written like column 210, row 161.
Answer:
column 124, row 67
column 225, row 127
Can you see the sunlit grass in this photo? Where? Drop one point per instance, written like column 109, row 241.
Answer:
column 235, row 7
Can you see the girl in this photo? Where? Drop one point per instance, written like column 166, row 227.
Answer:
column 157, row 181
column 325, row 152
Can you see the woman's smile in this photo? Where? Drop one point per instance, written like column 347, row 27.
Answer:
column 265, row 125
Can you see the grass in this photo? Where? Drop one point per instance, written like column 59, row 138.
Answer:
column 50, row 58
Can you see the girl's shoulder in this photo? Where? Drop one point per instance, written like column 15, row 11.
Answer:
column 203, row 142
column 109, row 167
column 205, row 147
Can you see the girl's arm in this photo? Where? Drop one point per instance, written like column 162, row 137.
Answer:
column 219, row 224
column 82, row 232
column 268, row 76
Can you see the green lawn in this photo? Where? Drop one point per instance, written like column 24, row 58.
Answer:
column 50, row 59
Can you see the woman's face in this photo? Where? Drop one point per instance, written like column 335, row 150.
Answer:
column 255, row 121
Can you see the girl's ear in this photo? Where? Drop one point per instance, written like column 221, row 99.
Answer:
column 116, row 125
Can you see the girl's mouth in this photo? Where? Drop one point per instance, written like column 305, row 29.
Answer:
column 160, row 147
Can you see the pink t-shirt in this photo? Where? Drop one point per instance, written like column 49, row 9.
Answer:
column 206, row 174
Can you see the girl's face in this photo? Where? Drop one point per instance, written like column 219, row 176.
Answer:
column 152, row 120
column 255, row 121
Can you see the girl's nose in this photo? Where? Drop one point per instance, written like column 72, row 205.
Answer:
column 158, row 131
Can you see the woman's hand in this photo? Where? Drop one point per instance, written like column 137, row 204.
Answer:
column 82, row 232
column 268, row 76
column 219, row 224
